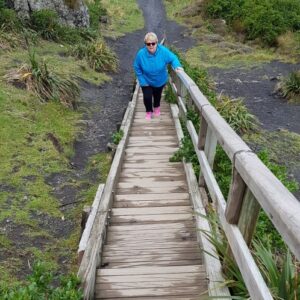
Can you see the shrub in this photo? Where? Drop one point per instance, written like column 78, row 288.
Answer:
column 47, row 85
column 45, row 22
column 236, row 114
column 9, row 20
column 96, row 10
column 41, row 286
column 290, row 87
column 263, row 21
column 98, row 55
column 117, row 137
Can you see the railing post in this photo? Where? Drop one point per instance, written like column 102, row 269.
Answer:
column 235, row 198
column 207, row 142
column 249, row 215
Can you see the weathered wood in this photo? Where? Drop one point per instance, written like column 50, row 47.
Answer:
column 202, row 134
column 253, row 279
column 249, row 215
column 235, row 198
column 91, row 257
column 89, row 223
column 151, row 197
column 270, row 192
column 213, row 265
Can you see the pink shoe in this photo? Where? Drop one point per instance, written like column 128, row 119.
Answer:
column 157, row 111
column 148, row 115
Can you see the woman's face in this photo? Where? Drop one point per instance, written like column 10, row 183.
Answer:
column 151, row 45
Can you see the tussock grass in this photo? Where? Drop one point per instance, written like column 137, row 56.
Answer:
column 98, row 55
column 47, row 85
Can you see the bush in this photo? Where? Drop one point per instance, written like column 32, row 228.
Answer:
column 41, row 286
column 290, row 87
column 47, row 85
column 96, row 10
column 263, row 21
column 45, row 22
column 98, row 55
column 9, row 20
column 236, row 114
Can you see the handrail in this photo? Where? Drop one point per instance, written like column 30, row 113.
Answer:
column 252, row 182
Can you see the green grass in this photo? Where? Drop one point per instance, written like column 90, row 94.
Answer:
column 124, row 17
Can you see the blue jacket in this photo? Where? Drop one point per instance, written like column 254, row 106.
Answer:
column 151, row 69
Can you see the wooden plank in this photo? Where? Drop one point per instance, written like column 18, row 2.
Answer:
column 149, row 166
column 158, row 257
column 235, row 198
column 90, row 222
column 145, row 183
column 146, row 157
column 152, row 143
column 162, row 175
column 152, row 284
column 149, row 245
column 137, row 252
column 150, row 278
column 152, row 149
column 152, row 190
column 153, row 133
column 157, row 203
column 185, row 297
column 213, row 266
column 152, row 138
column 150, row 292
column 151, row 211
column 151, row 218
column 151, row 197
column 154, row 263
column 151, row 270
column 249, row 215
column 152, row 236
column 134, row 227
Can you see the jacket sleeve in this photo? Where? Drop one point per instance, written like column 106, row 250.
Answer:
column 172, row 59
column 139, row 71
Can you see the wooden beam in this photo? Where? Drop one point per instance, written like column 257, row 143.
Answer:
column 235, row 198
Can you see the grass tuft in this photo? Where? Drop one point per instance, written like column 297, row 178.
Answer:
column 47, row 85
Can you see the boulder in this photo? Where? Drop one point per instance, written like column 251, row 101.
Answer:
column 72, row 13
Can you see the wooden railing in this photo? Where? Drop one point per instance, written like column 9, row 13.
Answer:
column 91, row 244
column 253, row 185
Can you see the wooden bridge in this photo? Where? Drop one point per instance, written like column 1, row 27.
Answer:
column 145, row 235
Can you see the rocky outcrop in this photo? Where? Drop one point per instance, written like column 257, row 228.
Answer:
column 71, row 12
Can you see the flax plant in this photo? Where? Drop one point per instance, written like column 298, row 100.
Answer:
column 47, row 85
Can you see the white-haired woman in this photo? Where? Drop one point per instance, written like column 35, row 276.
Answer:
column 150, row 66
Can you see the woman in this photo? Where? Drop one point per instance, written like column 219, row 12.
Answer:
column 150, row 67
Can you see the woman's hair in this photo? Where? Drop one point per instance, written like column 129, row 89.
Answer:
column 150, row 36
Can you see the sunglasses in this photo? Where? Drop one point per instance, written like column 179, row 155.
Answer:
column 150, row 44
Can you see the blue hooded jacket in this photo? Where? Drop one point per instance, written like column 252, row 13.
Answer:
column 151, row 69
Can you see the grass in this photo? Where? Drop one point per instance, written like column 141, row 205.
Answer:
column 124, row 17
column 228, row 52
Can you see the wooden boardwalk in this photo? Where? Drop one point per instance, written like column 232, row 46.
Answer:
column 151, row 249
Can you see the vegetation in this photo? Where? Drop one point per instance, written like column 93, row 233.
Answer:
column 98, row 55
column 117, row 137
column 265, row 20
column 282, row 265
column 289, row 87
column 41, row 286
column 47, row 85
column 37, row 145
